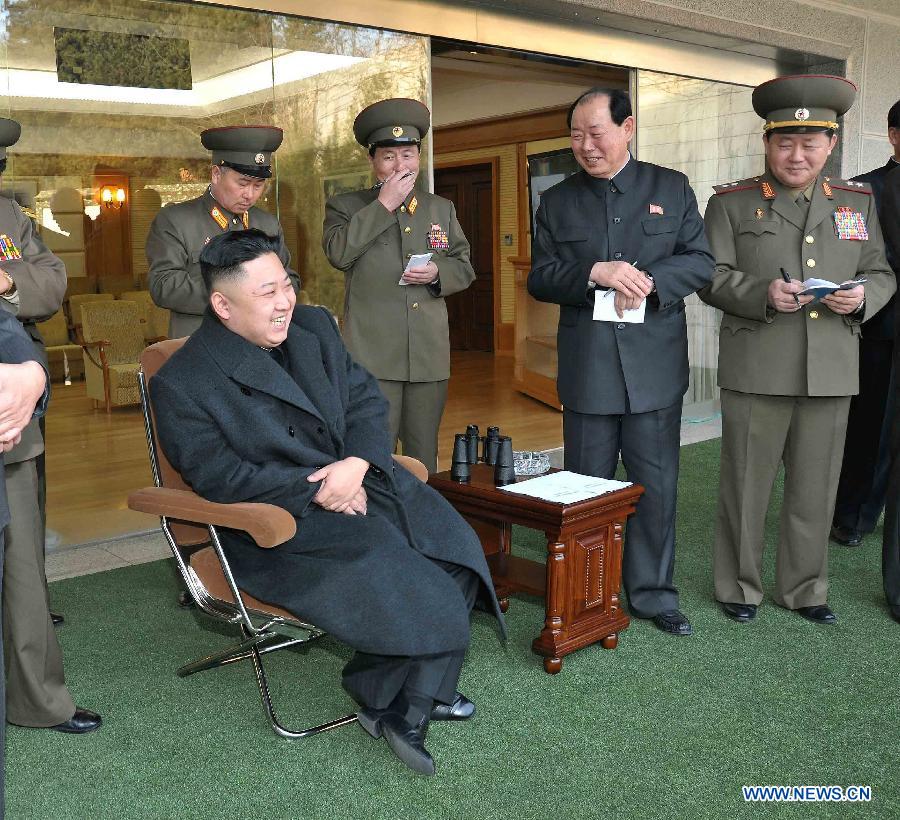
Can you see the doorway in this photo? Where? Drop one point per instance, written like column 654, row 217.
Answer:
column 471, row 312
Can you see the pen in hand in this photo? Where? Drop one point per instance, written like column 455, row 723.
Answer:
column 787, row 279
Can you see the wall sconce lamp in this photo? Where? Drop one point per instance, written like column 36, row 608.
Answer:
column 112, row 198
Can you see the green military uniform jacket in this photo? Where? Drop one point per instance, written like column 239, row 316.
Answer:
column 755, row 228
column 397, row 332
column 177, row 238
column 41, row 286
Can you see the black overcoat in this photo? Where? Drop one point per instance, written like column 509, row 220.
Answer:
column 239, row 427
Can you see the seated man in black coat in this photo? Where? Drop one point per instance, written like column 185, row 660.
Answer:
column 263, row 403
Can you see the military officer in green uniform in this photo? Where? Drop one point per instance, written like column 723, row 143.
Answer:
column 241, row 164
column 788, row 363
column 32, row 288
column 395, row 317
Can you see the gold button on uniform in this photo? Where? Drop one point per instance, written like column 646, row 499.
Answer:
column 810, row 263
column 407, row 229
column 402, row 209
column 814, row 314
column 810, row 240
column 415, row 306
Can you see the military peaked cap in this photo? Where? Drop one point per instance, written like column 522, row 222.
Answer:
column 803, row 103
column 246, row 148
column 10, row 131
column 398, row 121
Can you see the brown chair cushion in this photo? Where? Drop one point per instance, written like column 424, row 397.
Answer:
column 206, row 564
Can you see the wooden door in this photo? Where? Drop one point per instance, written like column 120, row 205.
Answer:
column 471, row 312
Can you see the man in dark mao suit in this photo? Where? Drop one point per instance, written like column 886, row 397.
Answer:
column 24, row 390
column 864, row 471
column 258, row 407
column 628, row 231
column 891, row 545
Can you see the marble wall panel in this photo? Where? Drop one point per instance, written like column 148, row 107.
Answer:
column 881, row 87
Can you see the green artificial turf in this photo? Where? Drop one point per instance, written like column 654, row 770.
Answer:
column 661, row 728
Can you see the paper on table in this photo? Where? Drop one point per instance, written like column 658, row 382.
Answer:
column 417, row 260
column 605, row 309
column 565, row 487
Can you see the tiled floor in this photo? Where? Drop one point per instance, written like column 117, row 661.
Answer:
column 71, row 561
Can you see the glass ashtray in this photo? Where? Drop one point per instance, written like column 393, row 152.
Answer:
column 526, row 462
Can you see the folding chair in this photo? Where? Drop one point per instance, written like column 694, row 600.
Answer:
column 189, row 521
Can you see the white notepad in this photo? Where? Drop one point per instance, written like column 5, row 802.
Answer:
column 605, row 309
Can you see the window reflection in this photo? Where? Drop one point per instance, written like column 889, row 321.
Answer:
column 105, row 108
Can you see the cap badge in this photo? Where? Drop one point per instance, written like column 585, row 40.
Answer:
column 801, row 114
column 260, row 159
column 397, row 131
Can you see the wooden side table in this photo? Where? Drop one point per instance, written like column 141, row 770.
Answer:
column 583, row 573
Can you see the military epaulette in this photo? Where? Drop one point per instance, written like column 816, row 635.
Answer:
column 849, row 185
column 741, row 185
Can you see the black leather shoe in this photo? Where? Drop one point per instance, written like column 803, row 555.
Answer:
column 82, row 722
column 846, row 536
column 742, row 613
column 57, row 618
column 673, row 622
column 819, row 614
column 895, row 612
column 461, row 709
column 185, row 601
column 407, row 742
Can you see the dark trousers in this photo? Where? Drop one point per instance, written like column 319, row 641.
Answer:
column 650, row 447
column 864, row 471
column 377, row 681
column 890, row 549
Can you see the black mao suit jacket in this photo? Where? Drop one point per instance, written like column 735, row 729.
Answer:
column 646, row 215
column 240, row 427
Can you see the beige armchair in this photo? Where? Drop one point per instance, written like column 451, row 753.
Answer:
column 113, row 340
column 75, row 303
column 63, row 357
column 155, row 318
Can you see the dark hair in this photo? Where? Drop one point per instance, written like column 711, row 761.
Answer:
column 2, row 165
column 619, row 103
column 894, row 115
column 224, row 257
column 393, row 145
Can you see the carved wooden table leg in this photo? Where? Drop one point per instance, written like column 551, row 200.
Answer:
column 552, row 665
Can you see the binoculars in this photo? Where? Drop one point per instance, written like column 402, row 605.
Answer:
column 495, row 450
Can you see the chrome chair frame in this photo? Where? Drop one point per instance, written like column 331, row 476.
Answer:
column 262, row 632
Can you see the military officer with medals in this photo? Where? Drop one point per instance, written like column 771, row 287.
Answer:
column 395, row 317
column 241, row 164
column 788, row 363
column 32, row 288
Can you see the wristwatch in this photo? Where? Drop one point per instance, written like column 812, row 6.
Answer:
column 8, row 294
